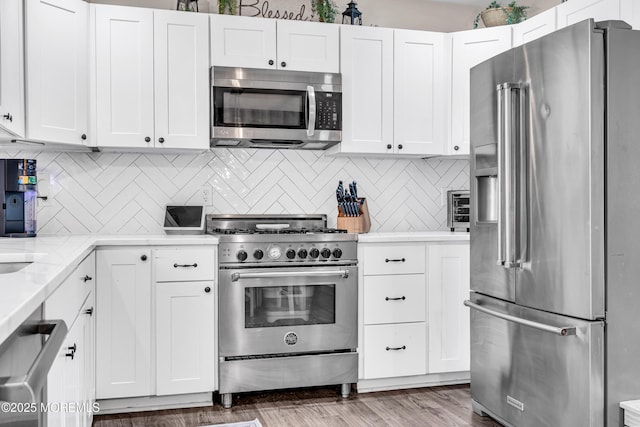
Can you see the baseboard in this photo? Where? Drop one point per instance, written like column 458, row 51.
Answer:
column 399, row 383
column 154, row 403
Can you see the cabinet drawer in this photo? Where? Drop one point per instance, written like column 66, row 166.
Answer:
column 394, row 299
column 394, row 259
column 178, row 265
column 67, row 300
column 395, row 350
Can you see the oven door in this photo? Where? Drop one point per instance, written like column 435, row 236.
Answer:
column 287, row 310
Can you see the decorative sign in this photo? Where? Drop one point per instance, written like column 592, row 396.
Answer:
column 278, row 9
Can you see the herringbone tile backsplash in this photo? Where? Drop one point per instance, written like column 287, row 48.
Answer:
column 125, row 193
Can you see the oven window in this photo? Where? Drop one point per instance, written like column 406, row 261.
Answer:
column 259, row 108
column 289, row 306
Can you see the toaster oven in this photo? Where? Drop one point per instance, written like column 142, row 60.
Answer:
column 458, row 208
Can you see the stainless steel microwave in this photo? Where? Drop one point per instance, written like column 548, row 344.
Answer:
column 275, row 109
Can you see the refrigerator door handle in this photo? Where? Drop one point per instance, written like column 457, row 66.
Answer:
column 508, row 149
column 562, row 331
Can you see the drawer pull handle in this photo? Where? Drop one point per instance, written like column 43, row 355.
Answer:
column 89, row 311
column 72, row 351
column 194, row 265
column 402, row 298
column 86, row 278
column 404, row 347
column 395, row 260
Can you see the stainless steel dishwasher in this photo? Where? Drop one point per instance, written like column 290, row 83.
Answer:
column 25, row 359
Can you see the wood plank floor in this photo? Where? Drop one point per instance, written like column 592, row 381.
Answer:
column 448, row 406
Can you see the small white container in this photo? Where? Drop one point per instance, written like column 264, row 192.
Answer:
column 631, row 413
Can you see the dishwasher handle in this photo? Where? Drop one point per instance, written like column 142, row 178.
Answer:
column 25, row 388
column 562, row 331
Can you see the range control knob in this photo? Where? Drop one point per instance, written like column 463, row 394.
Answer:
column 325, row 252
column 291, row 254
column 337, row 253
column 258, row 254
column 314, row 253
column 242, row 255
column 302, row 253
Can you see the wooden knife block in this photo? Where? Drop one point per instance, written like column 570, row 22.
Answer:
column 355, row 224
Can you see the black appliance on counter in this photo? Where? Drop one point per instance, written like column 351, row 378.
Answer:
column 18, row 192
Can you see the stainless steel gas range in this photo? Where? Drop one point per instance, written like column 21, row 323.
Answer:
column 287, row 303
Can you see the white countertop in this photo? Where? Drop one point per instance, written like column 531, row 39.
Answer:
column 414, row 236
column 55, row 258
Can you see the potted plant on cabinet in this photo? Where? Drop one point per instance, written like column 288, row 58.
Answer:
column 495, row 14
column 227, row 6
column 325, row 9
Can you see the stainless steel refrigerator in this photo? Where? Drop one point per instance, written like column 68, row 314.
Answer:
column 555, row 228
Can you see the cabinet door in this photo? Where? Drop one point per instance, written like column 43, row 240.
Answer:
column 395, row 350
column 241, row 41
column 184, row 337
column 123, row 329
column 470, row 48
column 535, row 27
column 575, row 11
column 419, row 104
column 366, row 58
column 124, row 76
column 88, row 380
column 11, row 67
column 308, row 46
column 57, row 70
column 448, row 318
column 181, row 68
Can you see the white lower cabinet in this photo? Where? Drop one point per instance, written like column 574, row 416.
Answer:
column 395, row 350
column 70, row 380
column 414, row 328
column 184, row 337
column 449, row 336
column 123, row 330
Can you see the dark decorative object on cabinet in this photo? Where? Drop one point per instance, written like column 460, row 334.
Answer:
column 352, row 15
column 187, row 5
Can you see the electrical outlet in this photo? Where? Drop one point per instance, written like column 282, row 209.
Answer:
column 443, row 195
column 207, row 195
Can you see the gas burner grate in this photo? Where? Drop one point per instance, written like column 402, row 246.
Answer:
column 278, row 231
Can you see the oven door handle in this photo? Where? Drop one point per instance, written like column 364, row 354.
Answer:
column 306, row 273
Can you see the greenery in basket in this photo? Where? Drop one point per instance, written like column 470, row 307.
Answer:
column 227, row 6
column 513, row 12
column 325, row 9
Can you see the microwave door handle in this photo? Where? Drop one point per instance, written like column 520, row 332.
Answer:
column 311, row 127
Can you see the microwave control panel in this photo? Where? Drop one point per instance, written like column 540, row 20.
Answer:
column 328, row 111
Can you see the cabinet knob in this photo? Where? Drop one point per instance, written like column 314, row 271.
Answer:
column 147, row 139
column 271, row 62
column 283, row 64
column 389, row 146
column 207, row 289
column 143, row 257
column 455, row 147
column 8, row 117
column 399, row 146
column 84, row 136
column 160, row 140
column 86, row 278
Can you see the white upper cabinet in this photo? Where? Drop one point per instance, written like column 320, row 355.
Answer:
column 419, row 92
column 578, row 10
column 535, row 27
column 181, row 71
column 152, row 78
column 11, row 67
column 124, row 76
column 57, row 71
column 240, row 41
column 469, row 48
column 366, row 57
column 308, row 46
